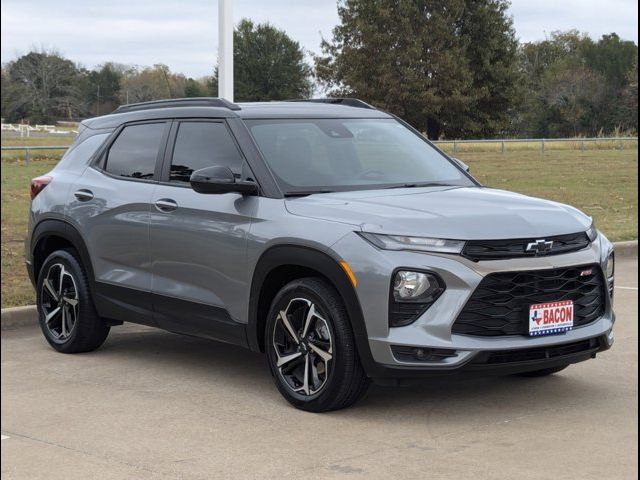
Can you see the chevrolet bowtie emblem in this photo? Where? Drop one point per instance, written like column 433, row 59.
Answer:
column 540, row 247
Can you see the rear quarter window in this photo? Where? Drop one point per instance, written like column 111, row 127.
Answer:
column 78, row 155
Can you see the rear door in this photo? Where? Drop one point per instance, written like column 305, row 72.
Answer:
column 198, row 241
column 110, row 203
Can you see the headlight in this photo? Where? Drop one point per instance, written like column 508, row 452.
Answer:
column 611, row 260
column 412, row 293
column 420, row 244
column 592, row 233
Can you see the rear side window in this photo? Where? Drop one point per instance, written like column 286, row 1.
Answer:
column 203, row 144
column 135, row 152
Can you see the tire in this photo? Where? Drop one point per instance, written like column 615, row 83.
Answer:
column 542, row 373
column 66, row 312
column 335, row 377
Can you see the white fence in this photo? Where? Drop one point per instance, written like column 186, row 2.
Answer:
column 25, row 130
column 505, row 144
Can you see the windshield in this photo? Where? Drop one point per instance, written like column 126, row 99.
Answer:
column 319, row 155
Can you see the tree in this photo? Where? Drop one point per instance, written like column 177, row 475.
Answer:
column 103, row 87
column 268, row 65
column 577, row 86
column 613, row 58
column 427, row 61
column 151, row 83
column 194, row 88
column 43, row 86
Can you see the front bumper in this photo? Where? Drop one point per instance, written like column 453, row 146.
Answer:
column 433, row 329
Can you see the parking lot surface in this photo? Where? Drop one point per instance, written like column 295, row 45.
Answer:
column 154, row 405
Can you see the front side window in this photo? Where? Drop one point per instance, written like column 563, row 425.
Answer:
column 200, row 145
column 309, row 155
column 135, row 152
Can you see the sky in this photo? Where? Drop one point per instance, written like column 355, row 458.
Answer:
column 183, row 35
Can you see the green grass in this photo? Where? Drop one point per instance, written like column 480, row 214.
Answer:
column 33, row 142
column 603, row 183
column 16, row 288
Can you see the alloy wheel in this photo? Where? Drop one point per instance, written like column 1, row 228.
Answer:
column 303, row 347
column 59, row 302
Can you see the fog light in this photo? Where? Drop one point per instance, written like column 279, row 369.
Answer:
column 413, row 286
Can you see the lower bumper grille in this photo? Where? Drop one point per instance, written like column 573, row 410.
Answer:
column 500, row 304
column 536, row 354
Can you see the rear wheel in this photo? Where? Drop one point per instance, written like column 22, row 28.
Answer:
column 67, row 316
column 311, row 349
column 542, row 373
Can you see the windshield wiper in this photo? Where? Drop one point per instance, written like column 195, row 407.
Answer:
column 304, row 193
column 424, row 184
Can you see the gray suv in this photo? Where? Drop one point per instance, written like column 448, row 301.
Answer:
column 327, row 234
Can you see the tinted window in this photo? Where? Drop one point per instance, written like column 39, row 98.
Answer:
column 203, row 144
column 134, row 153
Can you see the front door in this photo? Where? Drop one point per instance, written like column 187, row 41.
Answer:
column 198, row 241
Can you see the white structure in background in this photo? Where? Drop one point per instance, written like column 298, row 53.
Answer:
column 25, row 130
column 225, row 49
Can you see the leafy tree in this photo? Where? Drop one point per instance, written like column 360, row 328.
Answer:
column 428, row 61
column 625, row 112
column 103, row 87
column 613, row 58
column 194, row 88
column 268, row 65
column 151, row 83
column 576, row 86
column 43, row 85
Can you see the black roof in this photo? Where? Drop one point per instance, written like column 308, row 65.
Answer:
column 220, row 108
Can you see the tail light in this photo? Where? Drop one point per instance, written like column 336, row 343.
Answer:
column 38, row 184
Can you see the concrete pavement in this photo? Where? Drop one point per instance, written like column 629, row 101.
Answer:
column 153, row 405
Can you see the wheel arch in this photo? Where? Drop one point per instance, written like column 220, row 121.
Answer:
column 300, row 261
column 52, row 234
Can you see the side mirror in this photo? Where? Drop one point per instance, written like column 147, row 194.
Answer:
column 220, row 180
column 463, row 165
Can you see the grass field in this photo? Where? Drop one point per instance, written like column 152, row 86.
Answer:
column 58, row 141
column 603, row 183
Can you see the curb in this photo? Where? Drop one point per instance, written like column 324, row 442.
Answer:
column 16, row 317
column 626, row 249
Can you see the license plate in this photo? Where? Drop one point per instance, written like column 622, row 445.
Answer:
column 552, row 317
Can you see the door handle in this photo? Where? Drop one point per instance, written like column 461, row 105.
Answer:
column 166, row 205
column 83, row 195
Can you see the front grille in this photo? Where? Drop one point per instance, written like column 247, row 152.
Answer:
column 477, row 250
column 500, row 304
column 538, row 353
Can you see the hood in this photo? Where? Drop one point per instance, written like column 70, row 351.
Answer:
column 461, row 213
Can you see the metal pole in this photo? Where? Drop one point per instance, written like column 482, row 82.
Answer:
column 543, row 146
column 26, row 158
column 225, row 49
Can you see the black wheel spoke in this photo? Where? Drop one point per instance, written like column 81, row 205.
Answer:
column 303, row 347
column 59, row 301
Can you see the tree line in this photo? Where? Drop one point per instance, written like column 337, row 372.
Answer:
column 452, row 68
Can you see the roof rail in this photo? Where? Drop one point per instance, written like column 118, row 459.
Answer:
column 178, row 102
column 348, row 102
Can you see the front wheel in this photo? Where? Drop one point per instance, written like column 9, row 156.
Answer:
column 310, row 348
